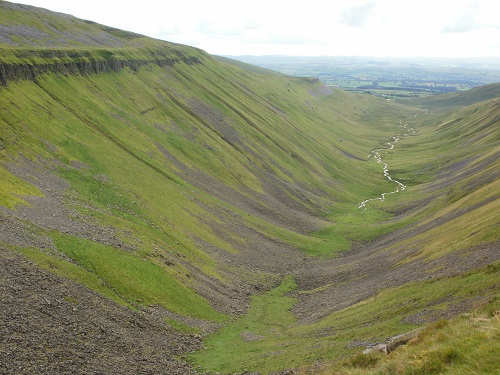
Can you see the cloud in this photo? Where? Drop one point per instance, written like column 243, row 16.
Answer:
column 472, row 18
column 463, row 22
column 356, row 16
column 345, row 27
column 461, row 26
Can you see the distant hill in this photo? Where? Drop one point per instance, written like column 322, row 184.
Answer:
column 250, row 67
column 459, row 99
column 163, row 210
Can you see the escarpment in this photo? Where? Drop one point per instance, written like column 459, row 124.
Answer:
column 35, row 41
column 31, row 63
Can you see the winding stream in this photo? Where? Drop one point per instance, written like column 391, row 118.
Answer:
column 376, row 154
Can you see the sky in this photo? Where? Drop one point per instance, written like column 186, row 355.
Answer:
column 389, row 28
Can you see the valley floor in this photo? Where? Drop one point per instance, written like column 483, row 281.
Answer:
column 164, row 212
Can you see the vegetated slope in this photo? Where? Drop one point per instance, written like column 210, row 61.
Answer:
column 185, row 184
column 28, row 26
column 252, row 68
column 449, row 207
column 179, row 186
column 438, row 258
column 457, row 99
column 40, row 41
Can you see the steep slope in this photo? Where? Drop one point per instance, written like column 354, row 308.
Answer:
column 208, row 172
column 449, row 207
column 37, row 41
column 151, row 176
column 438, row 258
column 28, row 26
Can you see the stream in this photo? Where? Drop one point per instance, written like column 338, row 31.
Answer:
column 375, row 153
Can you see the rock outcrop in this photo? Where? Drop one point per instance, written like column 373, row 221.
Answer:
column 393, row 343
column 80, row 64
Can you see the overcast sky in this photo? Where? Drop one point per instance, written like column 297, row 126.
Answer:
column 441, row 28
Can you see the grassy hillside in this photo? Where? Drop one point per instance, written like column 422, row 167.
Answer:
column 198, row 162
column 445, row 222
column 459, row 99
column 198, row 195
column 149, row 157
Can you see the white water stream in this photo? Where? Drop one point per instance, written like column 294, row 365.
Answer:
column 376, row 154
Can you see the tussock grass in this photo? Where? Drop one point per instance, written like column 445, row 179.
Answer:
column 467, row 344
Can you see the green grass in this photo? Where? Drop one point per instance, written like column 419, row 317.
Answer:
column 12, row 189
column 182, row 327
column 134, row 278
column 63, row 267
column 108, row 120
column 358, row 224
column 468, row 344
column 167, row 153
column 269, row 338
column 251, row 340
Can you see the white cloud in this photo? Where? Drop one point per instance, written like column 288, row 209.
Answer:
column 356, row 16
column 315, row 27
column 463, row 21
column 472, row 18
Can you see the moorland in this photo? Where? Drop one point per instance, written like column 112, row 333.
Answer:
column 163, row 211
